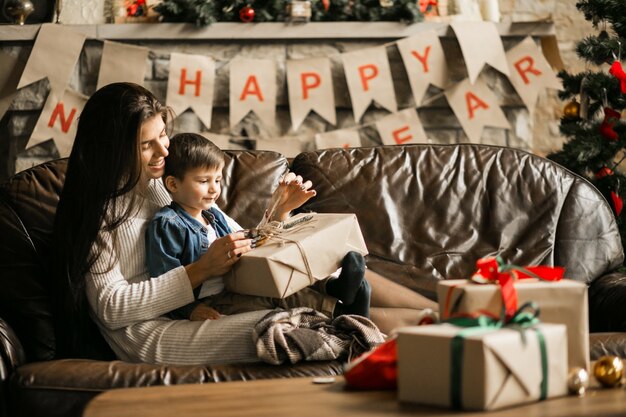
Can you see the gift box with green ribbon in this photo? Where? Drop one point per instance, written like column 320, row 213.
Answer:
column 497, row 286
column 487, row 365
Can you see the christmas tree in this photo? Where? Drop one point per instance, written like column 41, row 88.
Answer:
column 596, row 143
column 205, row 12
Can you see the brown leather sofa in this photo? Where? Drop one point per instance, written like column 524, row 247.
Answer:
column 427, row 213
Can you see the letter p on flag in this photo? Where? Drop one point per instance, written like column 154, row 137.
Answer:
column 367, row 72
column 309, row 81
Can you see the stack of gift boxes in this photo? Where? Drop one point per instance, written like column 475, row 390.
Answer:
column 490, row 349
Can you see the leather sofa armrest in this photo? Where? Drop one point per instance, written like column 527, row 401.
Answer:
column 11, row 351
column 607, row 303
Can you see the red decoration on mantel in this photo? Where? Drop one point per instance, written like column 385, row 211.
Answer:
column 246, row 14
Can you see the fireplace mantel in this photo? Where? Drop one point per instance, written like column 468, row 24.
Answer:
column 270, row 31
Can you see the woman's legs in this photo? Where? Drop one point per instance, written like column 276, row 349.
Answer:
column 394, row 305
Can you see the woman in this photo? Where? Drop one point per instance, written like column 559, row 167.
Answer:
column 112, row 189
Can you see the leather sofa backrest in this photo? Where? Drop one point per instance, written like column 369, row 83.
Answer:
column 428, row 212
column 28, row 203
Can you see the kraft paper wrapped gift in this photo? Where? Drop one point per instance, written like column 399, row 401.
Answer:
column 494, row 369
column 278, row 268
column 563, row 302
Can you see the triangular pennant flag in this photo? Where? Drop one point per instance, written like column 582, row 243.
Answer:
column 190, row 84
column 530, row 72
column 122, row 63
column 476, row 107
column 58, row 120
column 289, row 146
column 310, row 84
column 425, row 63
column 401, row 128
column 224, row 141
column 481, row 44
column 343, row 138
column 369, row 79
column 10, row 72
column 54, row 55
column 253, row 88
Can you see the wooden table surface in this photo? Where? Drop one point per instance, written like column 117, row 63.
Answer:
column 301, row 397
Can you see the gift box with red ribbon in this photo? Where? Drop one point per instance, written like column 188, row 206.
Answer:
column 497, row 288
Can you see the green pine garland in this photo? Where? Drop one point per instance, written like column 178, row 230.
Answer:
column 587, row 151
column 205, row 12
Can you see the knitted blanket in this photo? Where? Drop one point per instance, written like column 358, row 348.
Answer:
column 304, row 334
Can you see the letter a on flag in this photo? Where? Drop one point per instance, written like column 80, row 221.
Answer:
column 190, row 85
column 58, row 121
column 530, row 72
column 476, row 107
column 369, row 79
column 253, row 88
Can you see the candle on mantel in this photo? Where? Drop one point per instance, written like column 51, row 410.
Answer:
column 490, row 10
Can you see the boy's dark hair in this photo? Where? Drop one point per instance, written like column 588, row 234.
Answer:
column 190, row 151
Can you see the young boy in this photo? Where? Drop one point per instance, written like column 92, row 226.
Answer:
column 181, row 232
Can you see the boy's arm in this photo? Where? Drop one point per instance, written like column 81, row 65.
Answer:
column 164, row 246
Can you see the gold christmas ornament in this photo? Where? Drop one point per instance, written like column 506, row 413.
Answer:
column 572, row 109
column 577, row 381
column 609, row 370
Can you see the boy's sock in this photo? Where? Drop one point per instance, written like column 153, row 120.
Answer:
column 347, row 285
column 361, row 304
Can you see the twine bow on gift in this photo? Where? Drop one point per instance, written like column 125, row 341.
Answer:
column 523, row 319
column 491, row 270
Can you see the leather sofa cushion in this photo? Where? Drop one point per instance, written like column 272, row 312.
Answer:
column 428, row 212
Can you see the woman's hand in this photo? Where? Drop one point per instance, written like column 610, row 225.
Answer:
column 292, row 192
column 204, row 312
column 219, row 258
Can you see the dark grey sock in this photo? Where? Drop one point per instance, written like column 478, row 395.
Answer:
column 347, row 285
column 361, row 304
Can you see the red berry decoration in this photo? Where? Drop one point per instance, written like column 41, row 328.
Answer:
column 246, row 14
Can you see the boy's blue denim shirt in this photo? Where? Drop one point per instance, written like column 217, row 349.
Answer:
column 174, row 238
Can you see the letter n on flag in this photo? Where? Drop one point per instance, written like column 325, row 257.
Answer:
column 530, row 72
column 58, row 121
column 310, row 85
column 253, row 88
column 369, row 79
column 344, row 138
column 401, row 128
column 190, row 85
column 476, row 107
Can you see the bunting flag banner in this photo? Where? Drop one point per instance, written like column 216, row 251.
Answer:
column 54, row 55
column 476, row 106
column 289, row 146
column 253, row 88
column 481, row 44
column 58, row 121
column 10, row 72
column 222, row 141
column 190, row 84
column 530, row 72
column 369, row 79
column 425, row 63
column 401, row 128
column 343, row 138
column 122, row 63
column 310, row 85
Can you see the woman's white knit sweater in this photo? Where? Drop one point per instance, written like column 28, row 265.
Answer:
column 128, row 305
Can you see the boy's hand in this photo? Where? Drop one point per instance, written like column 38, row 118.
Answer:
column 204, row 312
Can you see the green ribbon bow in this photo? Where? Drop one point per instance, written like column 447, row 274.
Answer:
column 524, row 319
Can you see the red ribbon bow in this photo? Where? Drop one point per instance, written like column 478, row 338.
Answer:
column 492, row 270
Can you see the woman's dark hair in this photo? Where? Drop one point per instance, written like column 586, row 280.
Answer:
column 105, row 163
column 189, row 151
